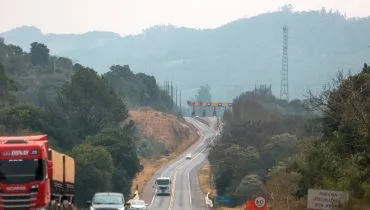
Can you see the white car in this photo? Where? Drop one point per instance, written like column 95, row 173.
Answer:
column 138, row 205
column 188, row 156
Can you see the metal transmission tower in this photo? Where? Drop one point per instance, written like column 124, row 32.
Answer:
column 284, row 88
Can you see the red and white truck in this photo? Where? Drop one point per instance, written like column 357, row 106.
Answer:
column 33, row 176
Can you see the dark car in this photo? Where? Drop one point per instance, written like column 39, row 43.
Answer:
column 107, row 201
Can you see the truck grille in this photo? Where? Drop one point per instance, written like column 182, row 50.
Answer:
column 17, row 201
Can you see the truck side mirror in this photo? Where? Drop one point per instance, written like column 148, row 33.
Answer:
column 50, row 168
column 88, row 202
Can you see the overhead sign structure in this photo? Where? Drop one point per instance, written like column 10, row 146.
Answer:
column 209, row 104
column 326, row 199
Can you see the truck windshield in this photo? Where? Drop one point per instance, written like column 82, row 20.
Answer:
column 163, row 182
column 22, row 171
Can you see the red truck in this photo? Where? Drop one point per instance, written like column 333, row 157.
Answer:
column 33, row 176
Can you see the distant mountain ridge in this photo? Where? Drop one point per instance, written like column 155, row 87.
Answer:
column 232, row 58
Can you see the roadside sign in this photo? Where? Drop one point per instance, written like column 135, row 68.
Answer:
column 325, row 199
column 259, row 202
column 222, row 199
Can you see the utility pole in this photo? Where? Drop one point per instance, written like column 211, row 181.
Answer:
column 180, row 102
column 172, row 107
column 176, row 97
column 284, row 86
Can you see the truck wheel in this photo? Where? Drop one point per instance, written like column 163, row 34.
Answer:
column 53, row 205
column 65, row 205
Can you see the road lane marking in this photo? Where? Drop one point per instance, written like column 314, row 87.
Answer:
column 175, row 175
column 173, row 191
column 155, row 195
column 179, row 166
column 189, row 188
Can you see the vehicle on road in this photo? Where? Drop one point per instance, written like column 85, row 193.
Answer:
column 107, row 200
column 138, row 205
column 34, row 176
column 163, row 186
column 188, row 156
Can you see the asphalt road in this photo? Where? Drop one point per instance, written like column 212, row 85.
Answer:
column 186, row 194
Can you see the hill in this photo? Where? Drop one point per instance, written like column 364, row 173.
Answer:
column 231, row 58
column 39, row 83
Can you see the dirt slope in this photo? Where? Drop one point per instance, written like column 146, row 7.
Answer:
column 177, row 135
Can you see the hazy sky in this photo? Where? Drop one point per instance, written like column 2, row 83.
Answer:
column 131, row 16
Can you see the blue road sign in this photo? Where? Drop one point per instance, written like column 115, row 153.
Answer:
column 222, row 199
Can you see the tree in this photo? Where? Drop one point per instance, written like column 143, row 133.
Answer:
column 250, row 186
column 6, row 87
column 340, row 158
column 23, row 116
column 121, row 146
column 85, row 106
column 280, row 147
column 227, row 173
column 39, row 53
column 204, row 94
column 94, row 170
column 138, row 89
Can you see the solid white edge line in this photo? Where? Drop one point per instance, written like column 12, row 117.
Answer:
column 190, row 199
column 151, row 203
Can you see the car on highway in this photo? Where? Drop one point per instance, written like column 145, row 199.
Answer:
column 107, row 200
column 188, row 156
column 163, row 186
column 138, row 205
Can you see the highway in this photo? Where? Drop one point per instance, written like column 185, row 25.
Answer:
column 186, row 193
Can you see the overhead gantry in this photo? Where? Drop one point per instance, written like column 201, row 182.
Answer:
column 215, row 105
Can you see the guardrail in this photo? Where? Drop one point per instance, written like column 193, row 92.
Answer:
column 203, row 121
column 209, row 202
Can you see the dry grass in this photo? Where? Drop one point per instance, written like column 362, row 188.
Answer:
column 204, row 178
column 165, row 128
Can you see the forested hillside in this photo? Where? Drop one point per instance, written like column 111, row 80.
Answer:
column 261, row 131
column 38, row 77
column 281, row 150
column 83, row 113
column 232, row 58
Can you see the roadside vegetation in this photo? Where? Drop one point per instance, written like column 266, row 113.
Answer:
column 163, row 137
column 84, row 114
column 281, row 149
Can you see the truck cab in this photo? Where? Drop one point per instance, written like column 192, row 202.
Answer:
column 26, row 175
column 163, row 186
